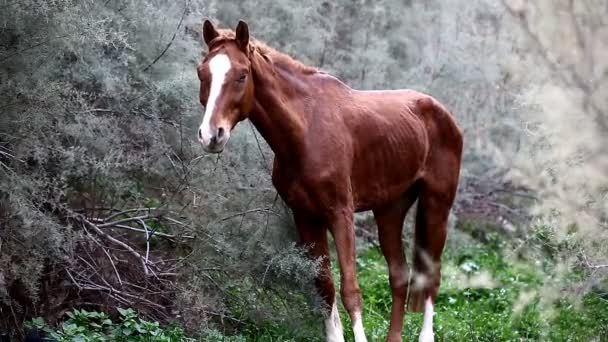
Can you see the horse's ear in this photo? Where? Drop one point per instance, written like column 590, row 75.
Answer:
column 242, row 35
column 209, row 32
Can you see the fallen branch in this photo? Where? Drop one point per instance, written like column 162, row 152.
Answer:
column 168, row 236
column 147, row 239
column 598, row 266
column 120, row 243
column 124, row 212
column 126, row 220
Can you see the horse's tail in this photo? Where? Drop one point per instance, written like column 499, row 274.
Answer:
column 421, row 271
column 436, row 194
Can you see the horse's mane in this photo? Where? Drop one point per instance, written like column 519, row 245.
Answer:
column 278, row 58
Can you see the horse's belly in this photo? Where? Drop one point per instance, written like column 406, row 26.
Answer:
column 379, row 179
column 377, row 194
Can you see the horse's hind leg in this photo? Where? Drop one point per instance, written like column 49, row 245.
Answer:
column 434, row 204
column 390, row 225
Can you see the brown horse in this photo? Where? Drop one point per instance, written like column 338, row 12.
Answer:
column 339, row 151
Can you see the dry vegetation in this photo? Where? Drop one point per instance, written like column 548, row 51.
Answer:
column 106, row 199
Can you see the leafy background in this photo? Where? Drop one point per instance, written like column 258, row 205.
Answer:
column 107, row 201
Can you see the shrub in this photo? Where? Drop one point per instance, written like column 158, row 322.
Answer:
column 94, row 326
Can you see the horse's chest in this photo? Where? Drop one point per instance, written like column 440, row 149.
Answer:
column 312, row 197
column 295, row 194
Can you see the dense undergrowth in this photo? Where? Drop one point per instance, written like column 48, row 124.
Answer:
column 488, row 293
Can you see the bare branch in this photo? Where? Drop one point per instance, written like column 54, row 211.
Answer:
column 120, row 213
column 256, row 210
column 113, row 265
column 126, row 220
column 105, row 250
column 168, row 236
column 118, row 242
column 147, row 240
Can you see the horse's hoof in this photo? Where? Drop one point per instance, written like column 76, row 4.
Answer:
column 335, row 338
column 426, row 337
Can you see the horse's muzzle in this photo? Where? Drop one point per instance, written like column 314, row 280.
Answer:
column 214, row 142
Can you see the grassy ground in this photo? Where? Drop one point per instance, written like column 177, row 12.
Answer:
column 481, row 285
column 465, row 312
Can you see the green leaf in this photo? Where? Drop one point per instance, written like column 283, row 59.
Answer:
column 123, row 312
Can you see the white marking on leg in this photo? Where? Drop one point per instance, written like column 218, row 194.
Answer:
column 427, row 335
column 219, row 66
column 358, row 328
column 333, row 326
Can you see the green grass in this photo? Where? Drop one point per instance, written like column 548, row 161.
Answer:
column 470, row 313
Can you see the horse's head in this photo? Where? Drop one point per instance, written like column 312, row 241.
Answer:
column 226, row 89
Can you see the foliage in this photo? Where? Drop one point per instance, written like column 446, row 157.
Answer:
column 83, row 325
column 105, row 197
column 107, row 200
column 565, row 116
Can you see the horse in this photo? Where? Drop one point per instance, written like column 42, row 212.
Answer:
column 337, row 151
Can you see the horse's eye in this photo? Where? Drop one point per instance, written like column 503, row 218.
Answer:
column 242, row 78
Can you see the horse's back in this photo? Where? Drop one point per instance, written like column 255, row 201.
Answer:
column 399, row 135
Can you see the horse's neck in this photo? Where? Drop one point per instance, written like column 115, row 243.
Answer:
column 276, row 114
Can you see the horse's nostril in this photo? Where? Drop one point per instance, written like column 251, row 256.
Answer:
column 200, row 134
column 220, row 132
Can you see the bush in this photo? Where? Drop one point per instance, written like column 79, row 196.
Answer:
column 107, row 201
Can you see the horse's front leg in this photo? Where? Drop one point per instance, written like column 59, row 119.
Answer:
column 343, row 231
column 313, row 235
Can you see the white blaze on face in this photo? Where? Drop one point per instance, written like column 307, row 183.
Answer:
column 358, row 328
column 219, row 66
column 333, row 326
column 427, row 335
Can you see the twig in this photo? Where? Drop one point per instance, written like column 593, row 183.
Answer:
column 120, row 243
column 96, row 110
column 506, row 208
column 168, row 236
column 113, row 266
column 589, row 265
column 129, row 219
column 31, row 47
column 73, row 280
column 111, row 290
column 264, row 210
column 516, row 193
column 126, row 212
column 172, row 38
column 147, row 239
column 257, row 141
column 109, row 258
column 266, row 271
column 10, row 305
column 597, row 266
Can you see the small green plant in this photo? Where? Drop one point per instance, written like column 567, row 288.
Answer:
column 92, row 326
